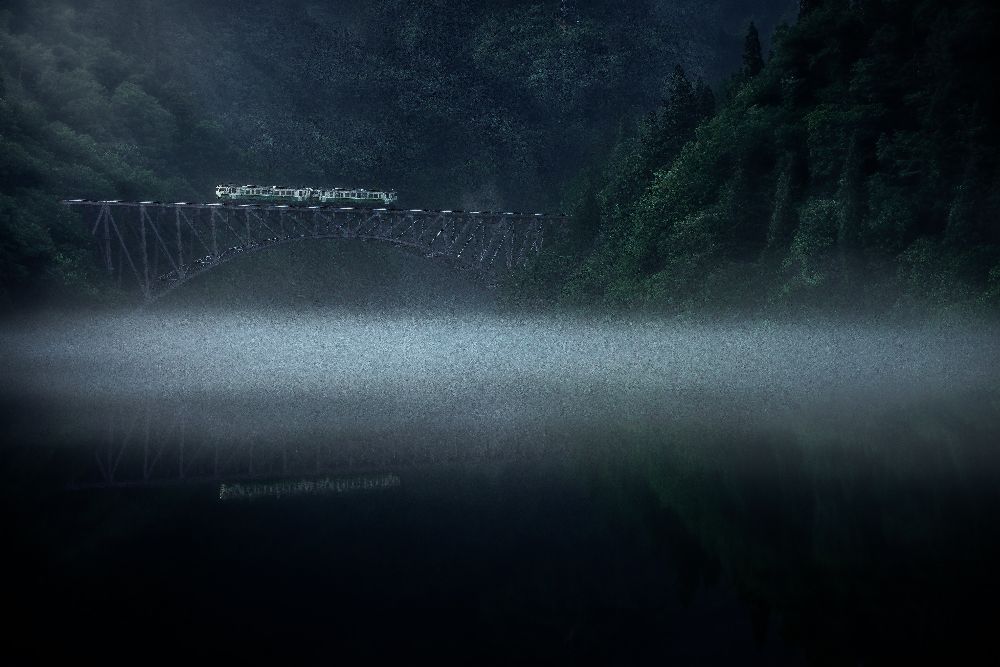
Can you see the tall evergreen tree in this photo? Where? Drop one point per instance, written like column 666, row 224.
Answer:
column 680, row 92
column 806, row 6
column 850, row 196
column 586, row 214
column 782, row 221
column 673, row 124
column 706, row 99
column 753, row 55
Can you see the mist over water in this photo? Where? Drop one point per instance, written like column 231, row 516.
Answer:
column 294, row 376
column 613, row 488
column 351, row 449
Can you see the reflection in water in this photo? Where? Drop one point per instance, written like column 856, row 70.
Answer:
column 307, row 487
column 862, row 551
column 149, row 446
column 685, row 493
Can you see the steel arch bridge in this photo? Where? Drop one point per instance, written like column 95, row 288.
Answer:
column 154, row 247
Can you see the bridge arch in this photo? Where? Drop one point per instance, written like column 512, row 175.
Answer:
column 173, row 282
column 154, row 248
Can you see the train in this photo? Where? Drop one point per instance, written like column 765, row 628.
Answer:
column 280, row 194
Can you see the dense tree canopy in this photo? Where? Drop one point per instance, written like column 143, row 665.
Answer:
column 455, row 104
column 856, row 164
column 858, row 167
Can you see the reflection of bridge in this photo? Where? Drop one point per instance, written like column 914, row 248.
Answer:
column 156, row 246
column 153, row 448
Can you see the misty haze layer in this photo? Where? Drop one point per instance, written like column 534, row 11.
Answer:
column 288, row 376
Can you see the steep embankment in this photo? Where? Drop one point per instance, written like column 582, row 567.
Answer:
column 856, row 169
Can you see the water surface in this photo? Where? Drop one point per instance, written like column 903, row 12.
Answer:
column 626, row 491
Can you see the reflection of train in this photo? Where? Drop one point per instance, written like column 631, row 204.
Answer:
column 279, row 194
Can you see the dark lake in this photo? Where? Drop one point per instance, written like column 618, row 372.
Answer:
column 329, row 486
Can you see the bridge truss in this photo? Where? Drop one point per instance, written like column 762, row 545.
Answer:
column 153, row 247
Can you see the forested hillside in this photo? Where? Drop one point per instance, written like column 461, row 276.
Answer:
column 858, row 168
column 453, row 103
column 853, row 162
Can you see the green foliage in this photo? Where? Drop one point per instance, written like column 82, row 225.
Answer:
column 77, row 118
column 144, row 120
column 810, row 254
column 559, row 67
column 859, row 160
column 753, row 54
column 671, row 126
column 857, row 167
column 456, row 104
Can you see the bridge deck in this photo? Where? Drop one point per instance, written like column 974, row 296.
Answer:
column 295, row 207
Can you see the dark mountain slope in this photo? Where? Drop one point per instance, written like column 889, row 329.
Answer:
column 858, row 169
column 455, row 104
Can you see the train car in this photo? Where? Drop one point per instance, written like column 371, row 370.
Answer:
column 280, row 194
